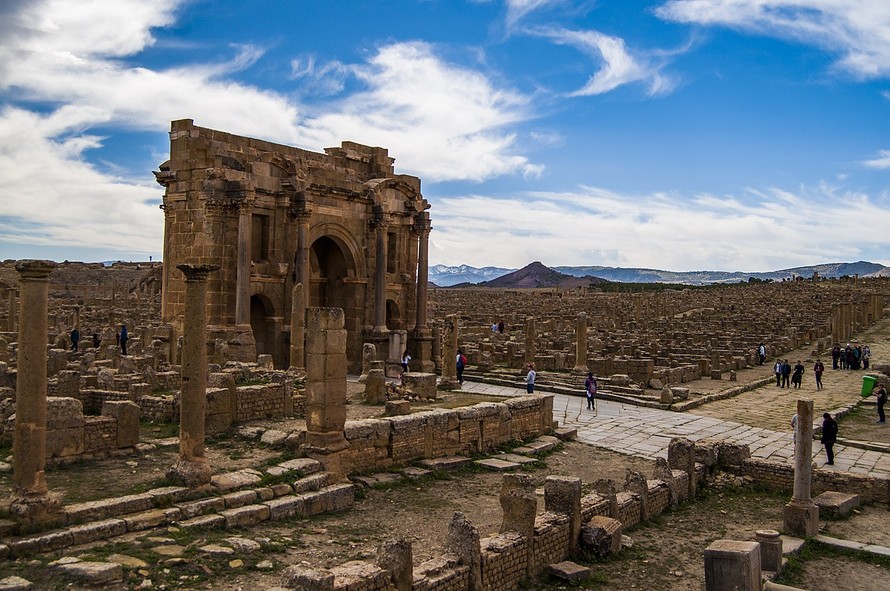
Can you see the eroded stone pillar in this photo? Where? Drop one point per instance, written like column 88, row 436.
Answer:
column 192, row 468
column 449, row 352
column 562, row 494
column 325, row 386
column 530, row 346
column 581, row 342
column 31, row 503
column 380, row 224
column 681, row 456
column 297, row 327
column 519, row 505
column 801, row 515
column 463, row 540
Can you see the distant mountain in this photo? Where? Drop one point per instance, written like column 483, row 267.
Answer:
column 636, row 275
column 445, row 276
column 448, row 276
column 535, row 275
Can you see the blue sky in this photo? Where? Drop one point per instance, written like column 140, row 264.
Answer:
column 731, row 135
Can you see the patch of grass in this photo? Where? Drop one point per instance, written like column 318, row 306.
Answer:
column 158, row 430
column 813, row 550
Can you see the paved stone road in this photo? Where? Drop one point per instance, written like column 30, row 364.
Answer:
column 646, row 432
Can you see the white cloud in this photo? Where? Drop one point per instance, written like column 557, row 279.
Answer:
column 595, row 226
column 54, row 198
column 617, row 64
column 857, row 30
column 440, row 121
column 881, row 161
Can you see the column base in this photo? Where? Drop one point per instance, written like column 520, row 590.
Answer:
column 421, row 344
column 36, row 512
column 801, row 519
column 327, row 448
column 448, row 384
column 191, row 474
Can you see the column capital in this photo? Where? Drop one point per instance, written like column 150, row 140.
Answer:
column 197, row 272
column 34, row 269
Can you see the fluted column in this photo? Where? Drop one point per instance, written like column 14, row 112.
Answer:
column 297, row 326
column 423, row 340
column 31, row 503
column 192, row 468
column 242, row 275
column 380, row 275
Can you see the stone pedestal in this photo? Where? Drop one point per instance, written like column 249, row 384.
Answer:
column 732, row 566
column 770, row 549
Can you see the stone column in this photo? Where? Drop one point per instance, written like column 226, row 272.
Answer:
column 581, row 342
column 562, row 494
column 31, row 503
column 242, row 276
column 10, row 320
column 437, row 348
column 530, row 350
column 801, row 514
column 462, row 539
column 423, row 340
column 297, row 326
column 380, row 271
column 449, row 352
column 192, row 468
column 325, row 386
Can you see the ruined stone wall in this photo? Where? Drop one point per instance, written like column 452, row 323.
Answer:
column 377, row 444
column 874, row 489
column 504, row 561
column 99, row 434
column 260, row 402
column 551, row 541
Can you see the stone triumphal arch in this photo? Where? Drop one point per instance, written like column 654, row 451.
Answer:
column 290, row 228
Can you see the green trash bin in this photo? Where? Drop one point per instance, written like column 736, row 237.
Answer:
column 868, row 384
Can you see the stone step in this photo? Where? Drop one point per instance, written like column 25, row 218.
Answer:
column 446, row 463
column 569, row 571
column 565, row 433
column 515, row 458
column 496, row 465
column 542, row 444
column 310, row 495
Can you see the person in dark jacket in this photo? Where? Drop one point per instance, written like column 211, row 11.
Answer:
column 829, row 436
column 123, row 337
column 75, row 338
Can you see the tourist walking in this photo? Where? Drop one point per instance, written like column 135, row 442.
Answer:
column 835, row 356
column 461, row 363
column 122, row 338
column 794, row 430
column 96, row 340
column 818, row 370
column 590, row 390
column 786, row 374
column 406, row 359
column 761, row 353
column 777, row 368
column 881, row 398
column 797, row 377
column 829, row 436
column 530, row 378
column 75, row 338
column 866, row 356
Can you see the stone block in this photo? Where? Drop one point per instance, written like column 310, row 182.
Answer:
column 602, row 535
column 835, row 504
column 127, row 415
column 92, row 573
column 308, row 579
column 568, row 571
column 246, row 516
column 496, row 465
column 397, row 408
column 732, row 566
column 422, row 385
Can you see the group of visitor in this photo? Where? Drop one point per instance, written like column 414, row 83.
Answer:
column 850, row 357
column 786, row 375
column 75, row 339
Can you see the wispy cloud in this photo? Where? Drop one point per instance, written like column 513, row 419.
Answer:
column 618, row 66
column 857, row 30
column 881, row 161
column 747, row 232
column 519, row 9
